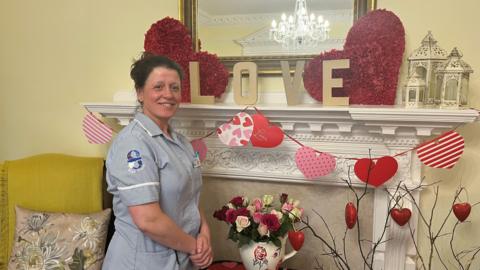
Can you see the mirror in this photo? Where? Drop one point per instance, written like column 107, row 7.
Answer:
column 242, row 30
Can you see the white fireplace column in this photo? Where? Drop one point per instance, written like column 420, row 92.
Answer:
column 342, row 131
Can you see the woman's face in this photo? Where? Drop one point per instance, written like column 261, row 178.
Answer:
column 161, row 95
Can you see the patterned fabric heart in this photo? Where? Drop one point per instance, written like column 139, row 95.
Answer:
column 235, row 132
column 265, row 135
column 442, row 152
column 375, row 173
column 313, row 164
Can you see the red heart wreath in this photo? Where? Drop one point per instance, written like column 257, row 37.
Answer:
column 375, row 46
column 170, row 37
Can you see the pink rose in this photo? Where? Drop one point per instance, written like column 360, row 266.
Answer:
column 287, row 207
column 258, row 204
column 257, row 217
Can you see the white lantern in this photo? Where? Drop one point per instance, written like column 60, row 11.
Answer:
column 424, row 61
column 415, row 91
column 452, row 81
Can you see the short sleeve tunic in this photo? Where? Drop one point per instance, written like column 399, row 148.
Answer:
column 145, row 166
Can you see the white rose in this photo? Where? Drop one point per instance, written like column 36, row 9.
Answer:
column 242, row 222
column 230, row 205
column 267, row 199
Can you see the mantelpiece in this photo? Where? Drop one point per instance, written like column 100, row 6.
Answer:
column 342, row 131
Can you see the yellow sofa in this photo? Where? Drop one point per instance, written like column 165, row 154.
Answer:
column 48, row 182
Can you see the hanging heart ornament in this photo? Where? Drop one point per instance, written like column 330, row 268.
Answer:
column 264, row 134
column 238, row 131
column 401, row 215
column 313, row 164
column 375, row 173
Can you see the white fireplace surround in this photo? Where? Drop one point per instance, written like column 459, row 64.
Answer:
column 342, row 131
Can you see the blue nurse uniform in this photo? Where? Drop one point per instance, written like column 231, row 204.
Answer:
column 145, row 166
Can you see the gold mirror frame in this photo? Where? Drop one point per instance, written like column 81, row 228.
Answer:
column 188, row 10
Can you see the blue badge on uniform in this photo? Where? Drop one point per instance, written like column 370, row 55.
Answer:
column 135, row 162
column 196, row 160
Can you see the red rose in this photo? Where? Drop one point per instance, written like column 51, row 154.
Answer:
column 231, row 215
column 271, row 221
column 237, row 201
column 243, row 212
column 220, row 213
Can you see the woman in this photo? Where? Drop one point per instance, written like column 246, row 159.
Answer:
column 155, row 178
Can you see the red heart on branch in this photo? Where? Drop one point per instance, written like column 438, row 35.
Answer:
column 350, row 215
column 264, row 135
column 401, row 216
column 462, row 210
column 296, row 239
column 376, row 173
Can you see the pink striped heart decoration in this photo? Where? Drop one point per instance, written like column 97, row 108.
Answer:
column 442, row 152
column 95, row 130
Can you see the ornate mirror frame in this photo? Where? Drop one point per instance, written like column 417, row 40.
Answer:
column 188, row 10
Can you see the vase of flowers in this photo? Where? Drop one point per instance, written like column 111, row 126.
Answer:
column 260, row 227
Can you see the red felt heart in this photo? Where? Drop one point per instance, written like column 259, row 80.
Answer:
column 296, row 239
column 375, row 46
column 401, row 216
column 376, row 173
column 350, row 215
column 462, row 210
column 265, row 135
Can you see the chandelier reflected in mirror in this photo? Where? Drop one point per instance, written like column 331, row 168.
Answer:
column 300, row 30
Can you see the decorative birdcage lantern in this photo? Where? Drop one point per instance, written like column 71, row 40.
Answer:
column 415, row 91
column 452, row 81
column 424, row 61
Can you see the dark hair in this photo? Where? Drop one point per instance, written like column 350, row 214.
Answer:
column 142, row 67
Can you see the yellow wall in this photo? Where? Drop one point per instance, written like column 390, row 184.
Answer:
column 55, row 54
column 452, row 24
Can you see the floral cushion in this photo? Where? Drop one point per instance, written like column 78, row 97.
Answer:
column 45, row 240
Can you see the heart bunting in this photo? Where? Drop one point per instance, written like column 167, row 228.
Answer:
column 95, row 130
column 375, row 173
column 238, row 131
column 265, row 135
column 443, row 152
column 313, row 164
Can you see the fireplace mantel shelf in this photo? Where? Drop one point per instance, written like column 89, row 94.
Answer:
column 387, row 118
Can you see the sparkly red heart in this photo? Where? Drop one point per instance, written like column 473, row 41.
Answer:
column 375, row 46
column 350, row 215
column 375, row 173
column 401, row 216
column 265, row 135
column 296, row 239
column 462, row 210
